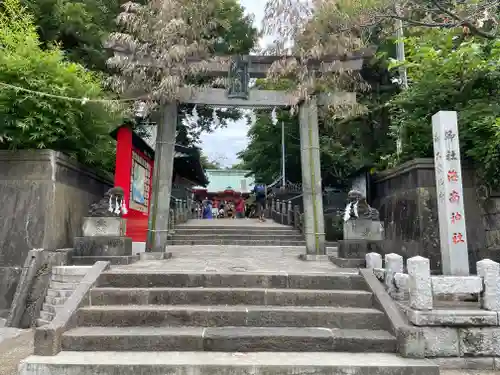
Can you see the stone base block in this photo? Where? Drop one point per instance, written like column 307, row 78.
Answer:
column 103, row 226
column 102, row 246
column 457, row 317
column 357, row 249
column 156, row 256
column 313, row 257
column 347, row 263
column 114, row 260
column 363, row 229
column 469, row 363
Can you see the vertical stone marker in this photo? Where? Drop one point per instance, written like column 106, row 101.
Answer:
column 452, row 233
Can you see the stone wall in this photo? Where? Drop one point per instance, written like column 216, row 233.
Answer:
column 406, row 199
column 44, row 196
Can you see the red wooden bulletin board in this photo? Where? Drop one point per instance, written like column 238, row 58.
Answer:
column 134, row 162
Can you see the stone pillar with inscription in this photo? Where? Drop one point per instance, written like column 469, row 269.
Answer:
column 104, row 232
column 452, row 231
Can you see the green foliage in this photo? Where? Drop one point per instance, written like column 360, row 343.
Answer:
column 450, row 72
column 31, row 121
column 238, row 36
column 79, row 26
column 345, row 144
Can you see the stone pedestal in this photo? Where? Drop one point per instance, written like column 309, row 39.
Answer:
column 103, row 239
column 363, row 229
column 351, row 253
column 103, row 246
column 104, row 226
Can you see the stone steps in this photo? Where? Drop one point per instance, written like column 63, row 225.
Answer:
column 63, row 285
column 239, row 236
column 41, row 322
column 240, row 315
column 63, row 281
column 228, row 339
column 215, row 226
column 262, row 234
column 205, row 363
column 59, row 293
column 227, row 242
column 230, row 296
column 341, row 279
column 231, row 230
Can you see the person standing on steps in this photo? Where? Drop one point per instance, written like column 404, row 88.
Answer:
column 260, row 199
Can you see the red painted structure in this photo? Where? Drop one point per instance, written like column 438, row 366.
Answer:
column 134, row 156
column 135, row 163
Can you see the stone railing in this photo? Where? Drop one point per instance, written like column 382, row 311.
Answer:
column 180, row 212
column 419, row 288
column 285, row 212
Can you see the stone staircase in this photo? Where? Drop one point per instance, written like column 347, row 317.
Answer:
column 64, row 280
column 259, row 235
column 153, row 322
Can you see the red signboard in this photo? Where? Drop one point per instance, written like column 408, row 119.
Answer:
column 134, row 169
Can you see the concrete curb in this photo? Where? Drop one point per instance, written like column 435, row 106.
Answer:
column 48, row 338
column 409, row 341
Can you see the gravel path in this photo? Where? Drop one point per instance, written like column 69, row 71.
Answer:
column 13, row 350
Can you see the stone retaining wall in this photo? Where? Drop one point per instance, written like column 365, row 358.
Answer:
column 44, row 196
column 406, row 199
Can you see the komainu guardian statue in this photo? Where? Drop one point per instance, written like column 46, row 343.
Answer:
column 361, row 222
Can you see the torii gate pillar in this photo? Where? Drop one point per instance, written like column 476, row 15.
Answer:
column 314, row 225
column 162, row 179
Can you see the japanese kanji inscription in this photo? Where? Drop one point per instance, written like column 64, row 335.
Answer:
column 452, row 230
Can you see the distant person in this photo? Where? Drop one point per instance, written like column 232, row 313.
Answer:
column 260, row 200
column 207, row 210
column 240, row 208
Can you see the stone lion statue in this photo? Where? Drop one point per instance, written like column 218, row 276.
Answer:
column 358, row 208
column 111, row 205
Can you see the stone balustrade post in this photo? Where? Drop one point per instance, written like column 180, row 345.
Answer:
column 373, row 260
column 289, row 212
column 419, row 283
column 296, row 216
column 283, row 212
column 178, row 215
column 273, row 205
column 393, row 264
column 278, row 206
column 489, row 270
column 171, row 220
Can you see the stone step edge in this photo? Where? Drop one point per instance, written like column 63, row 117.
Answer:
column 41, row 322
column 131, row 331
column 223, row 339
column 236, row 235
column 333, row 273
column 102, row 296
column 231, row 289
column 180, row 362
column 234, row 308
column 71, row 270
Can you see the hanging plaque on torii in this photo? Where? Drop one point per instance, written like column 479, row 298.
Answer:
column 239, row 78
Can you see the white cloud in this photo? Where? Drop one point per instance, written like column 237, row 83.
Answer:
column 223, row 144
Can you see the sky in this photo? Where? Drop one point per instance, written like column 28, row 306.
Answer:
column 223, row 144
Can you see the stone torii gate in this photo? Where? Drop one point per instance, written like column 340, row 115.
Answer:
column 240, row 70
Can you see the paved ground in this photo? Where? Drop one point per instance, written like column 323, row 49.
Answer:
column 230, row 258
column 15, row 345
